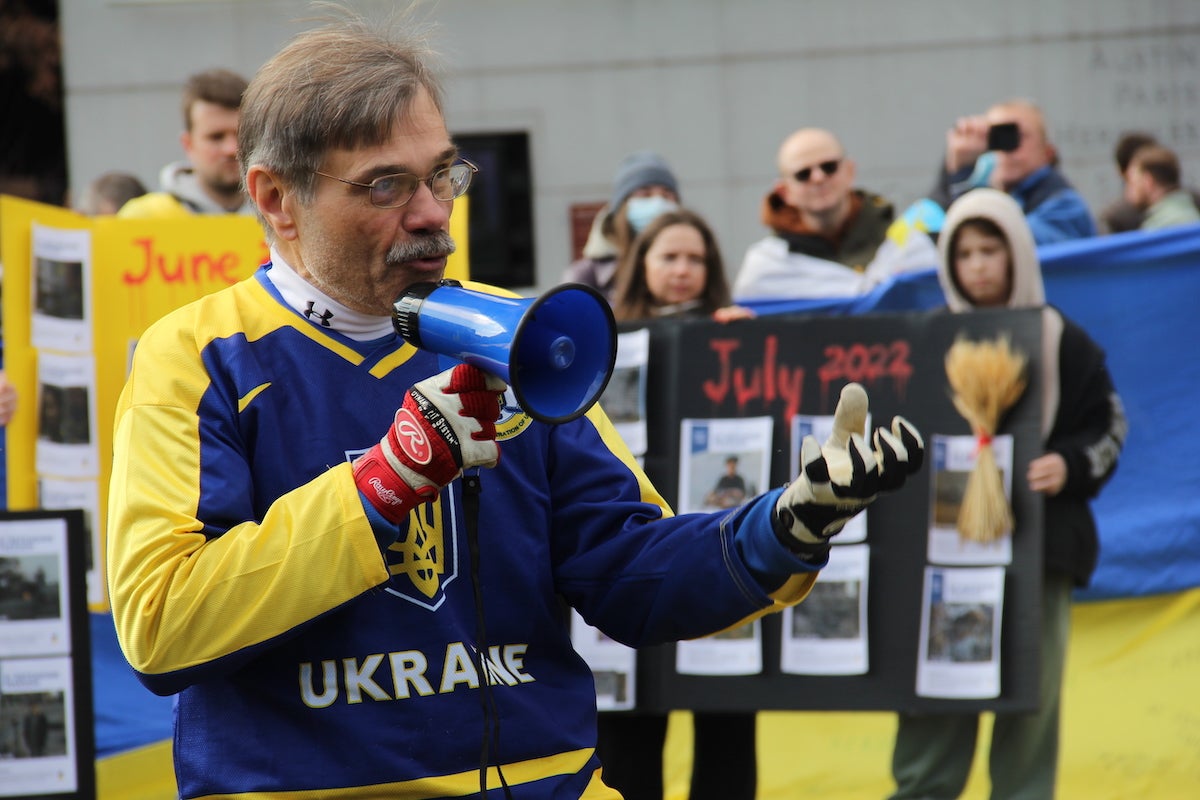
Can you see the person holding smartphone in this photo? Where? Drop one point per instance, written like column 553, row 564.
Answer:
column 1012, row 136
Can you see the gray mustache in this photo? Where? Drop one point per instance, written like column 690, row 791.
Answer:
column 433, row 245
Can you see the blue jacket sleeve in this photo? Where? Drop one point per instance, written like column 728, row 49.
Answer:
column 767, row 559
column 643, row 575
column 1062, row 217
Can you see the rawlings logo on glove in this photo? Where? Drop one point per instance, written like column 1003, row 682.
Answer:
column 844, row 476
column 410, row 436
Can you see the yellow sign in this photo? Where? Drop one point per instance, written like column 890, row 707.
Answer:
column 133, row 271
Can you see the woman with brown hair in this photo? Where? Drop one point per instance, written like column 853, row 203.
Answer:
column 674, row 268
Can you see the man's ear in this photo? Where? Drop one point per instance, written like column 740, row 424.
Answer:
column 1051, row 154
column 851, row 170
column 273, row 201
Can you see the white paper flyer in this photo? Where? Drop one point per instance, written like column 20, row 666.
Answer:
column 34, row 610
column 953, row 458
column 66, row 439
column 826, row 634
column 62, row 289
column 37, row 719
column 723, row 462
column 959, row 653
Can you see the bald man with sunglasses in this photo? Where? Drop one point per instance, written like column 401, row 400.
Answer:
column 827, row 237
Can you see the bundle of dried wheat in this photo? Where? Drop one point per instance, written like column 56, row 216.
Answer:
column 987, row 378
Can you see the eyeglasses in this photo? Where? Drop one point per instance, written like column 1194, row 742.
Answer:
column 830, row 169
column 393, row 191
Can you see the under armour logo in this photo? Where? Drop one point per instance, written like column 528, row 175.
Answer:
column 323, row 317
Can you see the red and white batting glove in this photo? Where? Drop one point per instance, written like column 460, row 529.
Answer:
column 447, row 423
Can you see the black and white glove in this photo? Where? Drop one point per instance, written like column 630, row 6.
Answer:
column 844, row 476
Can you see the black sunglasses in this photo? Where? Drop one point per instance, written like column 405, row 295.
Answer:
column 830, row 169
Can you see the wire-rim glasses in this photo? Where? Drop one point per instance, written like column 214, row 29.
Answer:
column 393, row 191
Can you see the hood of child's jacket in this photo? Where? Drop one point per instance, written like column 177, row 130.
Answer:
column 1027, row 288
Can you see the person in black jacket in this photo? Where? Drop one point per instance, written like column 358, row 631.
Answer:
column 989, row 260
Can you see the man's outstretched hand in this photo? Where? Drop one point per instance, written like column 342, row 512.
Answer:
column 844, row 476
column 447, row 423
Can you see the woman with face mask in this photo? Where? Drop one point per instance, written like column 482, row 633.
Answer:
column 643, row 188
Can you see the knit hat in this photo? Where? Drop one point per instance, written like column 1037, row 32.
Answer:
column 637, row 171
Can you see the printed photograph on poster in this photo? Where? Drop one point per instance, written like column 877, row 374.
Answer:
column 959, row 653
column 62, row 493
column 826, row 634
column 952, row 459
column 36, row 727
column 737, row 651
column 34, row 618
column 820, row 426
column 614, row 666
column 624, row 398
column 62, row 291
column 66, row 441
column 723, row 462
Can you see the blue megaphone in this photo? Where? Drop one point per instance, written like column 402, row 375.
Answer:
column 556, row 351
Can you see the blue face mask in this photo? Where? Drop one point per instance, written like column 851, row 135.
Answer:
column 641, row 211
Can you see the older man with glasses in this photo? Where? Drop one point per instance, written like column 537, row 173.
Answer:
column 301, row 544
column 826, row 236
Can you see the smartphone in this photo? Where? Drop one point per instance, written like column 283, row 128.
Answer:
column 1004, row 137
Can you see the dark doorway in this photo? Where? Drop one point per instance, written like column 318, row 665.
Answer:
column 501, row 225
column 33, row 151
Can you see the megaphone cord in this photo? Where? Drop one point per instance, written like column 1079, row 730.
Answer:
column 491, row 714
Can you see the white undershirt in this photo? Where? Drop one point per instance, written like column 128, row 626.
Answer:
column 322, row 309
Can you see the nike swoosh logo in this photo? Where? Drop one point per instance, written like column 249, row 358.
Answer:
column 246, row 399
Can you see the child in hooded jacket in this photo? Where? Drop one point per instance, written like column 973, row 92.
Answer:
column 989, row 260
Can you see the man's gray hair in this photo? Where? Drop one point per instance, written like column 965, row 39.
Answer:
column 343, row 85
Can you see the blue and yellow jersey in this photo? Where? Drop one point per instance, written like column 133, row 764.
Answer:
column 245, row 576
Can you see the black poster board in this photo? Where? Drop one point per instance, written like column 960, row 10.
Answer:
column 47, row 738
column 783, row 365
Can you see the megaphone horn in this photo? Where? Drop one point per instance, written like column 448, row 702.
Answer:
column 556, row 351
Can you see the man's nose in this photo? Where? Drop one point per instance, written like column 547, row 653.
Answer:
column 424, row 212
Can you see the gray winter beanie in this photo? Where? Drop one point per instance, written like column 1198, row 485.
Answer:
column 637, row 171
